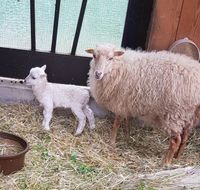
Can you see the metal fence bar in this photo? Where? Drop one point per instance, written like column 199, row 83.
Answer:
column 32, row 15
column 78, row 27
column 55, row 27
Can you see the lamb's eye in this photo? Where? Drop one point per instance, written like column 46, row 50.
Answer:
column 94, row 56
column 110, row 58
column 33, row 77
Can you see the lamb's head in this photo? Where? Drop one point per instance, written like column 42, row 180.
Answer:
column 103, row 58
column 36, row 76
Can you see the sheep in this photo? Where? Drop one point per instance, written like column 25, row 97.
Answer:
column 51, row 95
column 162, row 88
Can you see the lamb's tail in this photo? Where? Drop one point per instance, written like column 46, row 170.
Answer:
column 87, row 88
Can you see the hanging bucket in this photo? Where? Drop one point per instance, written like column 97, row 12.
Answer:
column 187, row 47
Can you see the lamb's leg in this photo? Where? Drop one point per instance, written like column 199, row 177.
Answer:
column 81, row 119
column 173, row 148
column 90, row 116
column 115, row 127
column 184, row 138
column 47, row 112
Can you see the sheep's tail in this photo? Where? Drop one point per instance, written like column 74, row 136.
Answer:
column 196, row 119
column 197, row 112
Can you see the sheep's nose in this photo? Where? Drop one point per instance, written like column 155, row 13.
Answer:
column 97, row 74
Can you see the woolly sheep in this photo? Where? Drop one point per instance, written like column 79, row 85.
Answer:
column 52, row 95
column 162, row 88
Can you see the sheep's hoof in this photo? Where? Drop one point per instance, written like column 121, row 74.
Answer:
column 113, row 145
column 165, row 164
column 128, row 140
column 170, row 167
column 177, row 155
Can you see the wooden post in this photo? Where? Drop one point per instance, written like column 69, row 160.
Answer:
column 164, row 24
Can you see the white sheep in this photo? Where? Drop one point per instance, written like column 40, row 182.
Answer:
column 51, row 95
column 162, row 88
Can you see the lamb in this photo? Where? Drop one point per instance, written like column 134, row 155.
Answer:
column 162, row 88
column 52, row 95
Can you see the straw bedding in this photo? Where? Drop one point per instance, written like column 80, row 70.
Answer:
column 58, row 160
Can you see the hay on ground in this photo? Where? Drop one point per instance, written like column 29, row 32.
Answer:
column 59, row 160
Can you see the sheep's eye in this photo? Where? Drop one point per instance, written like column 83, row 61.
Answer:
column 33, row 77
column 110, row 58
column 94, row 56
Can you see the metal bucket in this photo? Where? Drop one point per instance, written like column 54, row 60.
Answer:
column 187, row 47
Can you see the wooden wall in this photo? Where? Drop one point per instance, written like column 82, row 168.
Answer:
column 172, row 20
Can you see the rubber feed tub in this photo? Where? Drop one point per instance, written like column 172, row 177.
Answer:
column 12, row 153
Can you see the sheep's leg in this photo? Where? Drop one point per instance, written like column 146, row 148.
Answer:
column 47, row 112
column 173, row 148
column 90, row 116
column 127, row 129
column 81, row 119
column 186, row 133
column 115, row 127
column 184, row 138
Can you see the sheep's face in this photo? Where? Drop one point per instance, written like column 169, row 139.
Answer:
column 103, row 58
column 36, row 76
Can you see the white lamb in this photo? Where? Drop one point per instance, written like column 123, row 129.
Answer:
column 52, row 95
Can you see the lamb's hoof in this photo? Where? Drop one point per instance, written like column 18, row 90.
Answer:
column 92, row 127
column 46, row 128
column 77, row 134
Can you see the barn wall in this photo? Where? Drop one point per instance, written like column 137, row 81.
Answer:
column 172, row 20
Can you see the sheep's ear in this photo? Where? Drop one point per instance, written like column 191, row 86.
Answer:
column 90, row 50
column 44, row 67
column 118, row 53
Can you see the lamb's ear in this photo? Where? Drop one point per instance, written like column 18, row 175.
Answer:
column 90, row 50
column 43, row 75
column 44, row 67
column 118, row 53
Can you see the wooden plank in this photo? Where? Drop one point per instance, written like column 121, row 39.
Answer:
column 164, row 24
column 189, row 25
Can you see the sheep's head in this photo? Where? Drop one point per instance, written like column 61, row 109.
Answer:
column 103, row 57
column 36, row 76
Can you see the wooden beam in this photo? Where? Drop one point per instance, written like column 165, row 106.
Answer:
column 164, row 24
column 190, row 21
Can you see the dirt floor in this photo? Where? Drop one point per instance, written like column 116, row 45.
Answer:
column 59, row 160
